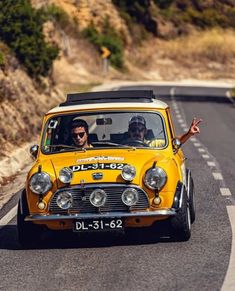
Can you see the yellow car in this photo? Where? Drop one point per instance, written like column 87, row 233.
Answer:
column 107, row 161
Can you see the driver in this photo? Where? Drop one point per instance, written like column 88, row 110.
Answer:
column 79, row 133
column 137, row 131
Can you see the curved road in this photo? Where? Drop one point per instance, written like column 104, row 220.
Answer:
column 146, row 260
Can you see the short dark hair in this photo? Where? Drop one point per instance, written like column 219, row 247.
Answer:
column 80, row 123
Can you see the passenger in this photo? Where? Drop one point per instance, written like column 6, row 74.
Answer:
column 137, row 131
column 79, row 133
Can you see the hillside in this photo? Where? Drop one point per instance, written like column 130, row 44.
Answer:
column 148, row 40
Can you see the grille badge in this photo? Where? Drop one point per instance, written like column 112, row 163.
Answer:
column 97, row 176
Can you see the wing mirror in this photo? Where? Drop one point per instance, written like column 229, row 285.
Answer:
column 176, row 144
column 34, row 151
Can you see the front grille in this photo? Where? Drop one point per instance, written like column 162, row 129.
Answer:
column 81, row 203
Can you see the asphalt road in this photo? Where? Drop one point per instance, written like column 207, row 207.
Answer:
column 145, row 260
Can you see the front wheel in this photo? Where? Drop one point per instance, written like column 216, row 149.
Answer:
column 192, row 204
column 29, row 234
column 181, row 223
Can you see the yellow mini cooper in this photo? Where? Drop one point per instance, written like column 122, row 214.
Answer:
column 107, row 161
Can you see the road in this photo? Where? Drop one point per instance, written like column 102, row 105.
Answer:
column 144, row 260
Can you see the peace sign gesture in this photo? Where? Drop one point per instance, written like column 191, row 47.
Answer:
column 194, row 126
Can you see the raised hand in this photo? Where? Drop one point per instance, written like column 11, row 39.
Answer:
column 194, row 126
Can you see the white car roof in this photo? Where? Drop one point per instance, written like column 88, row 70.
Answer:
column 156, row 104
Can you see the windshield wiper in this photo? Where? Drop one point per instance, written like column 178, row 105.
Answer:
column 64, row 146
column 99, row 143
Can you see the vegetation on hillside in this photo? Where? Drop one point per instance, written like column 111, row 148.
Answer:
column 179, row 13
column 138, row 16
column 108, row 38
column 21, row 28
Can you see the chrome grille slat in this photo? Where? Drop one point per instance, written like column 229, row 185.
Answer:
column 114, row 202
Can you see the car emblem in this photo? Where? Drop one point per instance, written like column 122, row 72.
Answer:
column 97, row 176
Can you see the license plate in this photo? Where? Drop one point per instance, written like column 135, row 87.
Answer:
column 98, row 224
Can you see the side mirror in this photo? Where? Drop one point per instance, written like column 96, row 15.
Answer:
column 34, row 151
column 176, row 144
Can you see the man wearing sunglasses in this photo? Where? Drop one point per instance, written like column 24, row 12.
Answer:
column 137, row 131
column 80, row 133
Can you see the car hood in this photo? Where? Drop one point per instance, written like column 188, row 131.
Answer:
column 106, row 166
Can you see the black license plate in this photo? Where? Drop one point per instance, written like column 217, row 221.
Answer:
column 98, row 224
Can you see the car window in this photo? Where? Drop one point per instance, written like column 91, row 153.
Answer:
column 107, row 129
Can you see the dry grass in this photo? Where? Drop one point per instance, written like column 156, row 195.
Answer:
column 215, row 45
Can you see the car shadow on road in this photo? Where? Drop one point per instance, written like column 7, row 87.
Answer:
column 68, row 239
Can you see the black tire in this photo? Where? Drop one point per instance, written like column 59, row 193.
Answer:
column 181, row 223
column 191, row 197
column 29, row 234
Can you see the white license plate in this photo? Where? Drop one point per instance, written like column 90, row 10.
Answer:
column 98, row 224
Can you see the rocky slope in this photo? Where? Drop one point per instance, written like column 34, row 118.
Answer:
column 22, row 105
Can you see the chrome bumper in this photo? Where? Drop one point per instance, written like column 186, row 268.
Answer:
column 156, row 213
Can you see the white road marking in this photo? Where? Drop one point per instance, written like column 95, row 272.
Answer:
column 177, row 111
column 8, row 217
column 205, row 156
column 211, row 164
column 225, row 192
column 217, row 176
column 181, row 120
column 201, row 150
column 229, row 281
column 178, row 116
column 196, row 144
column 228, row 95
column 172, row 92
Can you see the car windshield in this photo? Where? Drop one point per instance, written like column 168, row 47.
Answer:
column 104, row 130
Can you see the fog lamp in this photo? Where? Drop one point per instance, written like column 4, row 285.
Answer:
column 128, row 172
column 65, row 175
column 64, row 200
column 98, row 198
column 130, row 197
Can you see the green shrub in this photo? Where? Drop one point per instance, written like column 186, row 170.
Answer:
column 53, row 12
column 109, row 39
column 1, row 59
column 21, row 28
column 206, row 18
column 139, row 11
column 163, row 4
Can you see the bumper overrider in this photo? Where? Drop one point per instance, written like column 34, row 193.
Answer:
column 138, row 211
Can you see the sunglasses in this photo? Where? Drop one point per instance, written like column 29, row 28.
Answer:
column 135, row 129
column 80, row 134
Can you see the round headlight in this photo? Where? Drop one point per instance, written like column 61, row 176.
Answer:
column 64, row 200
column 65, row 175
column 128, row 172
column 40, row 183
column 155, row 178
column 98, row 198
column 130, row 197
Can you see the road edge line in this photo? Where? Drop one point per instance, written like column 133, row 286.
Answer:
column 229, row 281
column 8, row 217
